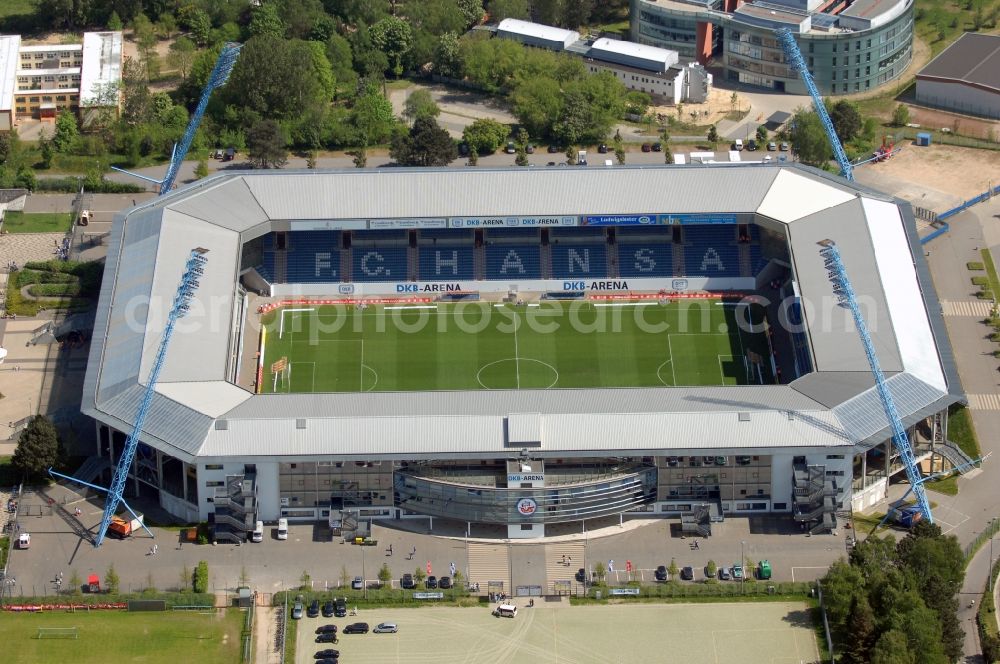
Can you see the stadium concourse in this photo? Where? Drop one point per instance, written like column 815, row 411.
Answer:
column 518, row 347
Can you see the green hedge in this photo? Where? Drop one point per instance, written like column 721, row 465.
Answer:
column 727, row 590
column 379, row 598
column 72, row 185
column 66, row 597
column 974, row 265
column 55, row 290
column 4, row 550
column 989, row 635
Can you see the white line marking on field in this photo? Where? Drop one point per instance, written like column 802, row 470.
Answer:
column 517, row 360
column 670, row 347
column 361, row 377
column 420, row 306
column 281, row 325
column 627, row 304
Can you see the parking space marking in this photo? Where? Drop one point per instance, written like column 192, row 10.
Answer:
column 795, row 568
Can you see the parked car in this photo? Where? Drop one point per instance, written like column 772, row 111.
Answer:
column 297, row 611
column 229, row 155
column 340, row 610
column 326, row 629
column 737, row 572
column 407, row 582
column 328, row 611
column 463, row 149
column 672, row 461
column 326, row 637
column 751, row 145
column 329, row 653
column 530, row 149
column 772, row 146
column 721, row 461
column 431, row 582
column 553, row 149
column 603, row 148
column 708, row 460
column 581, row 575
column 647, row 147
column 511, row 148
column 356, row 628
column 724, row 574
column 743, row 460
column 657, row 147
column 358, row 583
column 661, row 573
column 687, row 573
column 313, row 610
column 386, row 628
column 444, row 582
column 783, row 147
column 552, row 163
column 328, row 660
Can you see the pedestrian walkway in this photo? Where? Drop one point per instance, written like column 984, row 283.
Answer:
column 977, row 308
column 562, row 559
column 24, row 247
column 984, row 401
column 488, row 562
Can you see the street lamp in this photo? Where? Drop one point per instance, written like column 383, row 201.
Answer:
column 743, row 576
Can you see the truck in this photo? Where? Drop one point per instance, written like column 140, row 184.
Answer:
column 764, row 570
column 905, row 515
column 124, row 527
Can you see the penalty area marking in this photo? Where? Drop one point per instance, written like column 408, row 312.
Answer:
column 281, row 326
column 627, row 304
column 374, row 373
column 420, row 306
column 516, row 360
column 659, row 368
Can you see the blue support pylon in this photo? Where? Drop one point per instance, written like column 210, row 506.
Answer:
column 193, row 270
column 793, row 56
column 220, row 74
column 844, row 292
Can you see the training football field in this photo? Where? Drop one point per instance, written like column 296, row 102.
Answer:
column 482, row 345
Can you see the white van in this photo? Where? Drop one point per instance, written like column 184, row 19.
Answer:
column 505, row 611
column 738, row 145
column 258, row 532
column 282, row 529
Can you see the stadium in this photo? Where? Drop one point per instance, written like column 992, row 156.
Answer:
column 522, row 348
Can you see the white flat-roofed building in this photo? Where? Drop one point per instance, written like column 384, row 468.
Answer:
column 41, row 80
column 631, row 54
column 536, row 34
column 8, row 76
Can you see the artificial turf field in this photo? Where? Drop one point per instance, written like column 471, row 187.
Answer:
column 481, row 345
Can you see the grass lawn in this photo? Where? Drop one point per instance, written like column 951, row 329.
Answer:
column 486, row 346
column 940, row 22
column 37, row 222
column 119, row 636
column 946, row 485
column 962, row 432
column 15, row 7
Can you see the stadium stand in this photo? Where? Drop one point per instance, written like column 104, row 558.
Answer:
column 511, row 235
column 455, row 235
column 640, row 259
column 579, row 260
column 447, row 262
column 366, row 238
column 581, row 234
column 312, row 256
column 381, row 264
column 513, row 261
column 266, row 268
column 708, row 252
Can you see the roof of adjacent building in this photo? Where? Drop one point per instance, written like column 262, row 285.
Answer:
column 9, row 63
column 661, row 56
column 102, row 64
column 974, row 59
column 537, row 30
column 198, row 412
column 51, row 48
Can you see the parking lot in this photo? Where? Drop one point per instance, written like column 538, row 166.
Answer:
column 753, row 633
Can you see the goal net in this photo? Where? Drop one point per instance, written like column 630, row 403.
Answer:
column 58, row 633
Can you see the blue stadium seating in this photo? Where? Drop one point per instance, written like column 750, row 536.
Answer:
column 513, row 261
column 625, row 233
column 266, row 269
column 576, row 261
column 446, row 234
column 382, row 264
column 586, row 233
column 710, row 251
column 447, row 262
column 512, row 234
column 757, row 260
column 387, row 236
column 645, row 259
column 313, row 256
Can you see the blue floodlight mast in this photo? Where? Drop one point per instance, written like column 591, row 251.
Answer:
column 844, row 292
column 218, row 77
column 793, row 56
column 193, row 270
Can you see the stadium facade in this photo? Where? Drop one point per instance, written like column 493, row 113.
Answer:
column 808, row 446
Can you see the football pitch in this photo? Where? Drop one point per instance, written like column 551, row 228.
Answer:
column 487, row 346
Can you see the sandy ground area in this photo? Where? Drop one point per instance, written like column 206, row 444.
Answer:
column 959, row 124
column 935, row 177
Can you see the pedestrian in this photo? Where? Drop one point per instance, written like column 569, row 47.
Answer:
column 390, row 549
column 156, row 547
column 564, row 559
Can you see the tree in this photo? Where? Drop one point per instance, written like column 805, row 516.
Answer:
column 809, row 139
column 311, row 160
column 419, row 575
column 537, row 103
column 47, row 151
column 572, row 155
column 761, row 134
column 600, row 572
column 472, row 11
column 501, row 9
column 67, row 132
column 266, row 144
column 394, row 37
column 185, row 579
column 892, row 648
column 846, row 120
column 901, row 116
column 167, row 25
column 341, row 59
column 38, row 448
column 485, row 135
column 733, row 100
column 619, row 150
column 145, row 39
column 668, row 155
column 447, row 58
column 305, row 581
column 111, row 580
column 197, row 22
column 862, row 627
column 115, row 22
column 75, row 584
column 266, row 21
column 201, row 170
column 520, row 156
column 420, row 104
column 7, row 139
column 426, row 144
column 576, row 13
column 360, row 157
column 713, row 135
column 385, row 574
column 201, row 577
column 181, row 55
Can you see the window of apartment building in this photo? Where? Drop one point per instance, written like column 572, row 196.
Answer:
column 868, row 71
column 49, row 79
column 810, row 62
column 834, row 48
column 857, row 59
column 33, row 100
column 857, row 45
column 74, row 97
column 217, row 466
column 46, row 99
column 211, row 485
column 810, row 47
column 868, row 57
column 61, row 98
column 857, row 86
column 834, row 62
column 857, row 73
column 22, row 109
column 868, row 84
column 834, row 76
column 869, row 43
column 39, row 56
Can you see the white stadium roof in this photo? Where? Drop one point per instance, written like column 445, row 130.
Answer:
column 197, row 413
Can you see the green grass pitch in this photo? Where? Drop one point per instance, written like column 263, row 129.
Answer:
column 473, row 346
column 119, row 636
